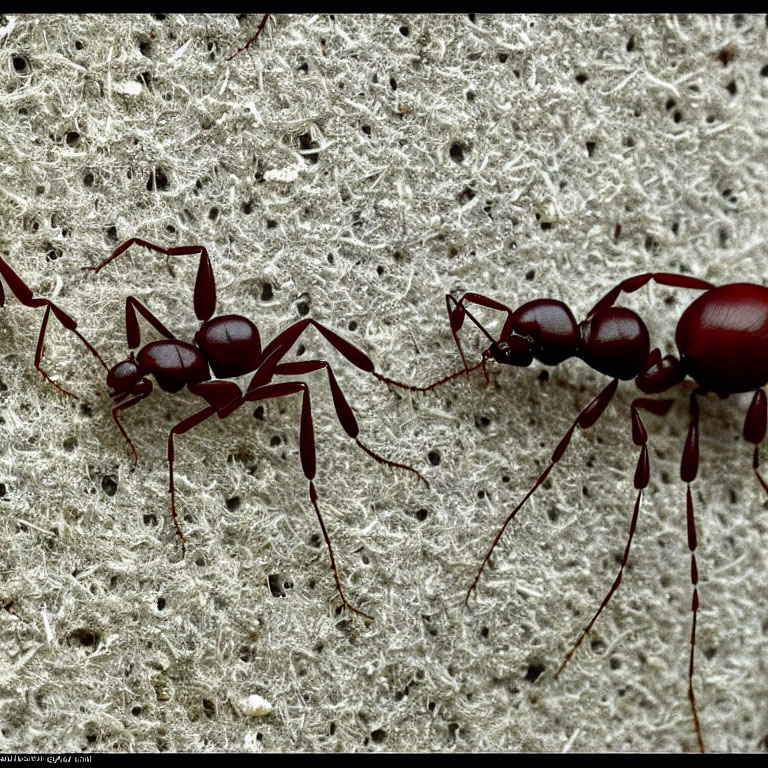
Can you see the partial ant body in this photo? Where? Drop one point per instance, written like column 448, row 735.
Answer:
column 226, row 347
column 24, row 294
column 722, row 338
column 261, row 26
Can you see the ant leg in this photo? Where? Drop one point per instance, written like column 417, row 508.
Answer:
column 285, row 340
column 343, row 411
column 180, row 429
column 754, row 429
column 122, row 407
column 132, row 332
column 660, row 373
column 24, row 294
column 205, row 283
column 308, row 462
column 584, row 420
column 688, row 468
column 632, row 284
column 39, row 355
column 642, row 475
column 261, row 26
column 456, row 314
column 282, row 343
column 220, row 396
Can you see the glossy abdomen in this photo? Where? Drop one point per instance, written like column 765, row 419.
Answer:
column 232, row 345
column 723, row 338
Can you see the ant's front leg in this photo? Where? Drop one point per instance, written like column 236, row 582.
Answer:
column 24, row 294
column 122, row 407
column 459, row 311
column 588, row 416
column 456, row 315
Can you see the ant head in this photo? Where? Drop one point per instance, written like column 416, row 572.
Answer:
column 514, row 350
column 127, row 378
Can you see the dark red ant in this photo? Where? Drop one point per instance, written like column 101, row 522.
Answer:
column 261, row 26
column 722, row 338
column 228, row 346
column 24, row 294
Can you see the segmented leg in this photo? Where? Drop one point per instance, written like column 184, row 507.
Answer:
column 754, row 430
column 632, row 284
column 343, row 411
column 261, row 26
column 219, row 395
column 689, row 467
column 24, row 294
column 584, row 420
column 435, row 384
column 122, row 407
column 457, row 312
column 224, row 398
column 308, row 463
column 205, row 282
column 642, row 476
column 282, row 343
column 132, row 332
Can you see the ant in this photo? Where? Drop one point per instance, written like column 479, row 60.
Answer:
column 722, row 339
column 24, row 294
column 261, row 26
column 226, row 347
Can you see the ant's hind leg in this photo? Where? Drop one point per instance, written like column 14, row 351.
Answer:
column 642, row 475
column 754, row 430
column 632, row 284
column 308, row 461
column 344, row 413
column 689, row 467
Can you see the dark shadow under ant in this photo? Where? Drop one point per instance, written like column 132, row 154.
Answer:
column 722, row 339
column 226, row 347
column 24, row 294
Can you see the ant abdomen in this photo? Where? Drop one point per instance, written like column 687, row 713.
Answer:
column 723, row 338
column 230, row 343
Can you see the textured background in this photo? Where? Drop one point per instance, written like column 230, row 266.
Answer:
column 361, row 167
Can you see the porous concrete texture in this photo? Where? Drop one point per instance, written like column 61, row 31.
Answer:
column 355, row 169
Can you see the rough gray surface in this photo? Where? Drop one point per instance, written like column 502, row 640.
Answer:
column 364, row 166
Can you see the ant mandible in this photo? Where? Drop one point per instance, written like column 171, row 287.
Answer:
column 226, row 347
column 722, row 339
column 24, row 294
